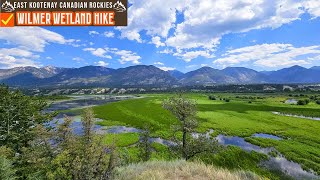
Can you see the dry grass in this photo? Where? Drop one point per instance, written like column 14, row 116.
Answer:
column 178, row 170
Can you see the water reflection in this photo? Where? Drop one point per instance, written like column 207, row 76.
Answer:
column 290, row 168
column 76, row 124
column 291, row 101
column 85, row 101
column 122, row 129
column 297, row 116
column 240, row 142
column 268, row 136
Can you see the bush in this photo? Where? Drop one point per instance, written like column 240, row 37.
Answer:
column 318, row 102
column 250, row 102
column 303, row 102
column 227, row 100
column 6, row 169
column 212, row 98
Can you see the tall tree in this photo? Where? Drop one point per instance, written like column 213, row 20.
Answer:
column 145, row 144
column 19, row 115
column 185, row 111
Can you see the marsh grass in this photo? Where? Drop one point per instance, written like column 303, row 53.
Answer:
column 179, row 170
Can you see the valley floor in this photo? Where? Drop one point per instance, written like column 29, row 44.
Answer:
column 231, row 115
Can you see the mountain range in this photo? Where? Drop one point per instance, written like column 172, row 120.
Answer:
column 148, row 75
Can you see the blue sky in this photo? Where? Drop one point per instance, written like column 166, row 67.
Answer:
column 262, row 35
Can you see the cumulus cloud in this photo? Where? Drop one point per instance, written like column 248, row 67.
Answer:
column 157, row 17
column 167, row 68
column 109, row 34
column 78, row 59
column 124, row 55
column 206, row 22
column 27, row 41
column 189, row 55
column 270, row 55
column 102, row 63
column 312, row 6
column 31, row 38
column 93, row 33
column 12, row 62
column 127, row 56
column 157, row 41
column 16, row 57
column 99, row 52
column 158, row 63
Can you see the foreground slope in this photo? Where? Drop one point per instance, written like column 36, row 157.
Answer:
column 179, row 170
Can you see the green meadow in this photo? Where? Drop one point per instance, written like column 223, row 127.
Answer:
column 230, row 114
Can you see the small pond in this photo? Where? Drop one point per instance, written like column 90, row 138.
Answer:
column 291, row 101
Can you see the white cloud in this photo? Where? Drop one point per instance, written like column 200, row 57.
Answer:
column 158, row 63
column 191, row 66
column 93, row 33
column 189, row 55
column 166, row 51
column 131, row 35
column 157, row 17
column 11, row 62
column 49, row 58
column 270, row 55
column 99, row 52
column 124, row 55
column 316, row 58
column 127, row 56
column 205, row 22
column 75, row 42
column 16, row 57
column 312, row 6
column 16, row 52
column 157, row 41
column 167, row 68
column 31, row 38
column 109, row 34
column 102, row 63
column 77, row 59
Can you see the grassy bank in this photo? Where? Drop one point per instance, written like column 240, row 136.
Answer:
column 159, row 170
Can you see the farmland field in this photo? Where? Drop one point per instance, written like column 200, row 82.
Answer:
column 234, row 115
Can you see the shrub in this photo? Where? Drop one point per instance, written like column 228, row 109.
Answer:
column 212, row 98
column 303, row 102
column 318, row 102
column 227, row 100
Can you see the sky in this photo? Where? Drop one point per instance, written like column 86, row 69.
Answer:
column 181, row 35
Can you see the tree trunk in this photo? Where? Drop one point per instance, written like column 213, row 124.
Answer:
column 184, row 140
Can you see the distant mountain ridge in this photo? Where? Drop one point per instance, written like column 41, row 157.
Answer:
column 44, row 72
column 149, row 75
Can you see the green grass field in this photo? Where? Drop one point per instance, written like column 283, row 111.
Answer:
column 239, row 117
